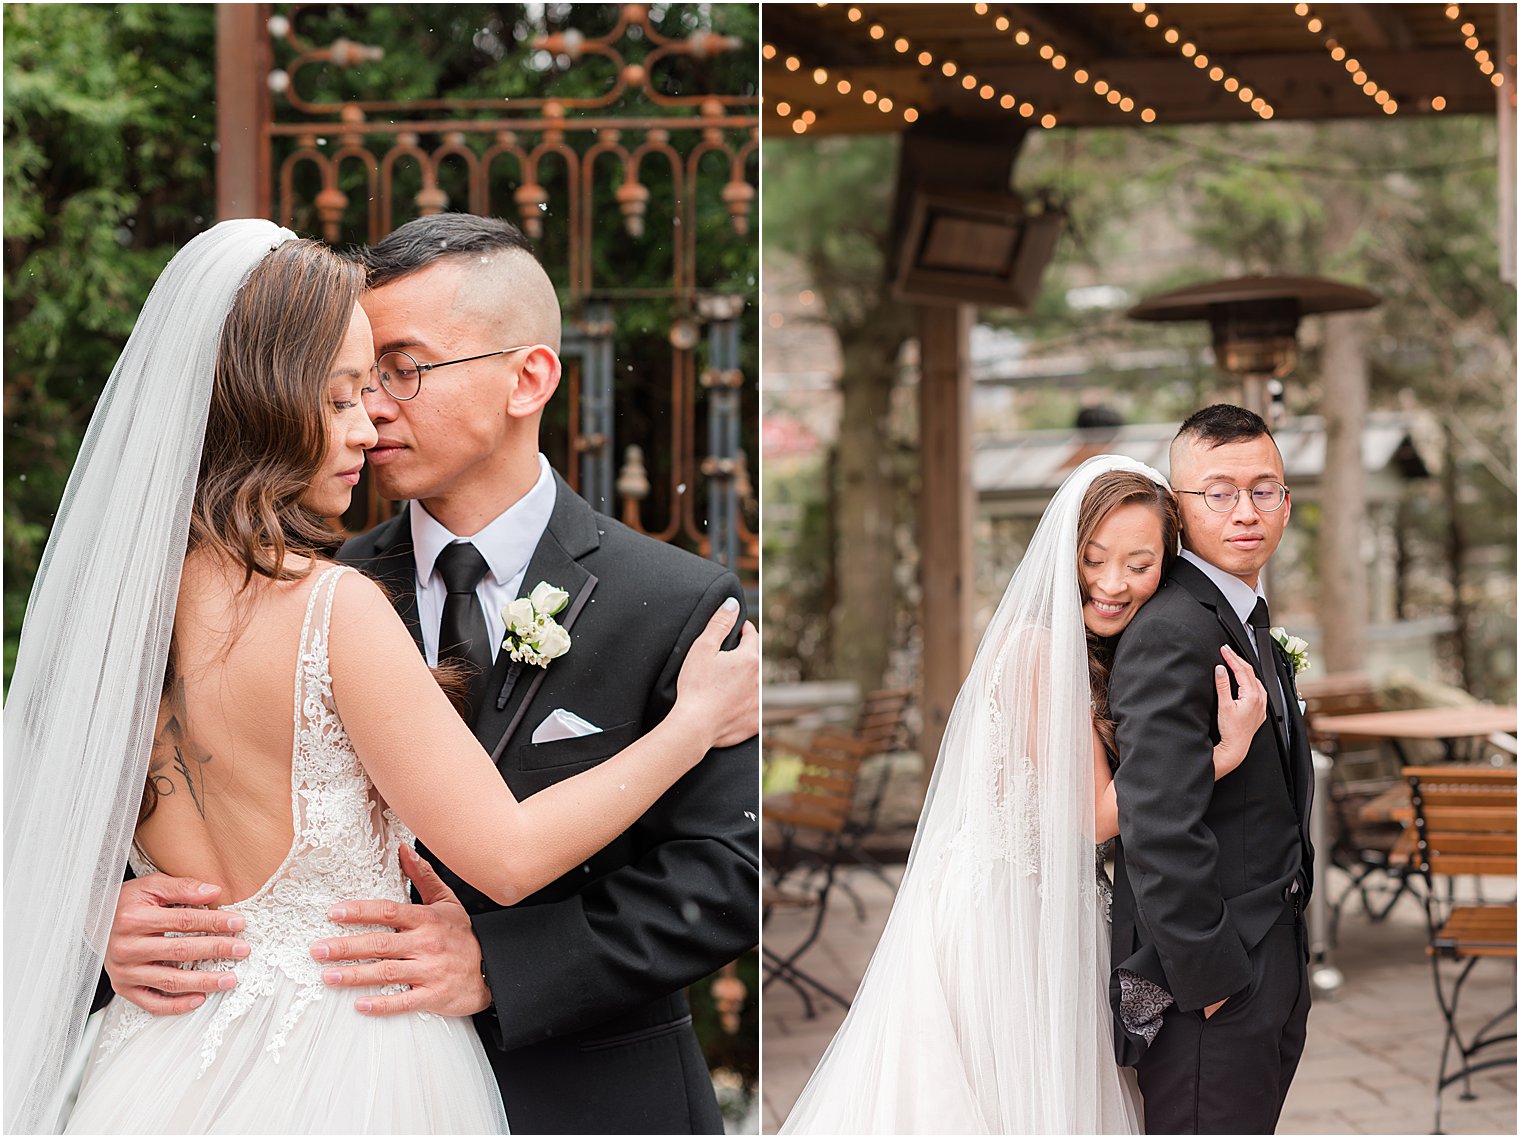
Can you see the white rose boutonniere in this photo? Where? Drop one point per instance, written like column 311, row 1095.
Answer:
column 533, row 635
column 1295, row 648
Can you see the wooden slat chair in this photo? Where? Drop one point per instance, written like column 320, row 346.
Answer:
column 880, row 724
column 1464, row 825
column 814, row 820
column 879, row 729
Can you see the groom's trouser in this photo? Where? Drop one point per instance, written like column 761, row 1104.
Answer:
column 1229, row 1074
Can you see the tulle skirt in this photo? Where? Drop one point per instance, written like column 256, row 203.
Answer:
column 337, row 1071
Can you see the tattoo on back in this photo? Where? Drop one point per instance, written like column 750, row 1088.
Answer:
column 189, row 756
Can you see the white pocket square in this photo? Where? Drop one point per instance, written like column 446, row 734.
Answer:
column 562, row 724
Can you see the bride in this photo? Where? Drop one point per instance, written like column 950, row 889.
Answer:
column 200, row 690
column 985, row 1008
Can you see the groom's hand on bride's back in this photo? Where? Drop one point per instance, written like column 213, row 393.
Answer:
column 433, row 949
column 140, row 958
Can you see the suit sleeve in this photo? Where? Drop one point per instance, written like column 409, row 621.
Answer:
column 650, row 928
column 1162, row 699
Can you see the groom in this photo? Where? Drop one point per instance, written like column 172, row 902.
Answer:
column 1211, row 880
column 578, row 992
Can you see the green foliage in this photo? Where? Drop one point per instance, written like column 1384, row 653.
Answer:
column 109, row 125
column 828, row 203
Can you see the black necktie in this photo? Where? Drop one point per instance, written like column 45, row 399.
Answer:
column 1266, row 663
column 462, row 632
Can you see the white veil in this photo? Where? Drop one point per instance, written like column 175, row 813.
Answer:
column 84, row 698
column 985, row 1007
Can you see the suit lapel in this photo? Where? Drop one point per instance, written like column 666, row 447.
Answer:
column 394, row 565
column 571, row 534
column 1191, row 578
column 1207, row 594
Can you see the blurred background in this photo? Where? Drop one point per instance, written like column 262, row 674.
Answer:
column 1000, row 238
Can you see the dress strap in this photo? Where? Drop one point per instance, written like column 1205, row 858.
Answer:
column 313, row 686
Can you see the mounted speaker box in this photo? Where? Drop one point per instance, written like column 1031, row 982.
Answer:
column 963, row 235
column 968, row 248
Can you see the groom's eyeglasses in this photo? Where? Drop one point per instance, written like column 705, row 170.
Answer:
column 401, row 375
column 1222, row 496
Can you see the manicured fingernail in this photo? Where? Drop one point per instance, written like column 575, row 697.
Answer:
column 241, row 949
column 1219, row 670
column 205, row 889
column 197, row 1001
column 331, row 976
column 321, row 951
column 362, row 1005
column 731, row 604
column 337, row 912
column 226, row 981
column 236, row 924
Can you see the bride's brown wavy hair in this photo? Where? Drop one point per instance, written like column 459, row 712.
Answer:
column 266, row 429
column 1107, row 493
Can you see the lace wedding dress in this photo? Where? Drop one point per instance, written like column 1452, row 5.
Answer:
column 282, row 1052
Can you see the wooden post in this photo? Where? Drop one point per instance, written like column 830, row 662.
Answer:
column 243, row 61
column 945, row 515
column 1343, row 608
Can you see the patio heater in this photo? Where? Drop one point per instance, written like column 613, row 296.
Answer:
column 1255, row 324
column 1254, row 321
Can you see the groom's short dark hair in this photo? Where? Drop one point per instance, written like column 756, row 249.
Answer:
column 1223, row 423
column 425, row 240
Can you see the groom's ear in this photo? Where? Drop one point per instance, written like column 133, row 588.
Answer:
column 537, row 380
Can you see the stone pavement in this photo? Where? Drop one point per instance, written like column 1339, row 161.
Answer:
column 1369, row 1066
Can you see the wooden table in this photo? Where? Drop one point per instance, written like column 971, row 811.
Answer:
column 1448, row 725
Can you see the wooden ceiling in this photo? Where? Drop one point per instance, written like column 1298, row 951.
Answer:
column 893, row 59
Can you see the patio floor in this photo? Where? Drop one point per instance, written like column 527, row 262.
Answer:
column 1369, row 1066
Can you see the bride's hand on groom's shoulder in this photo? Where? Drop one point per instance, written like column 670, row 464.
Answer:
column 433, row 949
column 140, row 958
column 723, row 687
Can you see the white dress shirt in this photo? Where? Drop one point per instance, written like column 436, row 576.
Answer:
column 1242, row 599
column 507, row 543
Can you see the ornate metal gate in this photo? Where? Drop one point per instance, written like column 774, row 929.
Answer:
column 623, row 149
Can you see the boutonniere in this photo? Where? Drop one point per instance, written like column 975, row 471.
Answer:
column 1295, row 648
column 533, row 636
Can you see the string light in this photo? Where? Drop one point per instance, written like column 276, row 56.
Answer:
column 1057, row 61
column 1473, row 44
column 967, row 81
column 800, row 117
column 1354, row 69
column 1211, row 68
column 805, row 117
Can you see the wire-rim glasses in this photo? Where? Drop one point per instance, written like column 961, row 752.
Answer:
column 1221, row 497
column 401, row 375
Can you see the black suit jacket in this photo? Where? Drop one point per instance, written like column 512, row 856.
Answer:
column 1202, row 868
column 591, row 970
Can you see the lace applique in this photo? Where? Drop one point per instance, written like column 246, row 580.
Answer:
column 345, row 847
column 1005, row 825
